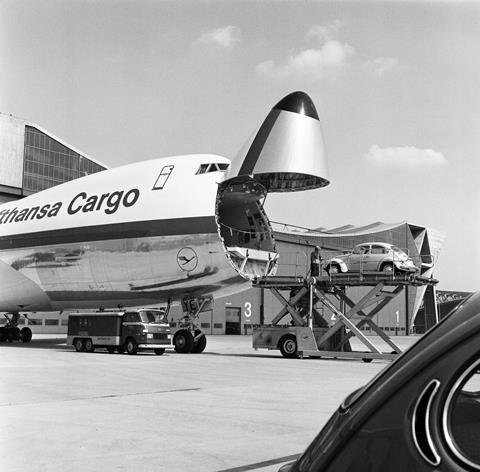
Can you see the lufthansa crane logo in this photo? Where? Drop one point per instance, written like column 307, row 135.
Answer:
column 187, row 259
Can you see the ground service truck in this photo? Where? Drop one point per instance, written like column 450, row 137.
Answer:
column 120, row 331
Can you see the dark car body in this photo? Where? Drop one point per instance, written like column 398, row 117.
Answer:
column 421, row 413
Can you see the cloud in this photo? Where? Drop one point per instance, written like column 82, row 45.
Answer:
column 323, row 33
column 225, row 37
column 407, row 156
column 313, row 63
column 381, row 65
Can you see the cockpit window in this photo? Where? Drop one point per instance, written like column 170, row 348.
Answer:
column 213, row 167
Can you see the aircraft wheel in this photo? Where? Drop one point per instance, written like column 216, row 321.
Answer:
column 199, row 345
column 79, row 345
column 131, row 346
column 159, row 351
column 3, row 334
column 183, row 341
column 288, row 346
column 111, row 349
column 13, row 334
column 26, row 335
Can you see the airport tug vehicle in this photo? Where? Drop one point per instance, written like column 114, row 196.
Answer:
column 130, row 331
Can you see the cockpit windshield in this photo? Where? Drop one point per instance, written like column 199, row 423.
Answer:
column 153, row 317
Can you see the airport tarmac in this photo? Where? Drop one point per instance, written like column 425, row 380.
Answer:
column 229, row 409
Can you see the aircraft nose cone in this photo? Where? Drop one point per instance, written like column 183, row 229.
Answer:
column 298, row 102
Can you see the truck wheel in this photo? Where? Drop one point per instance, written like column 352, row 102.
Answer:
column 89, row 346
column 131, row 346
column 26, row 335
column 201, row 343
column 111, row 349
column 79, row 345
column 288, row 346
column 183, row 341
column 159, row 351
column 3, row 334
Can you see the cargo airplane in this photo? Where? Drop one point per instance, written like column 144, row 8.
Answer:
column 173, row 228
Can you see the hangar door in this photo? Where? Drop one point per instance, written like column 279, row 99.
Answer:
column 233, row 317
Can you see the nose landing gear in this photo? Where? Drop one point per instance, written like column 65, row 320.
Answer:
column 190, row 338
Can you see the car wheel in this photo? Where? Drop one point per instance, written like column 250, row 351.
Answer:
column 333, row 269
column 183, row 341
column 288, row 346
column 131, row 346
column 387, row 268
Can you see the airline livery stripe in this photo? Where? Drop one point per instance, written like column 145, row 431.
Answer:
column 136, row 229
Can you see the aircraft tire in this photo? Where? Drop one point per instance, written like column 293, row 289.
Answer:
column 183, row 341
column 26, row 335
column 13, row 334
column 288, row 346
column 3, row 334
column 199, row 345
column 131, row 346
column 159, row 351
column 79, row 345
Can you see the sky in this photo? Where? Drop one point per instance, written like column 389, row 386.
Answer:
column 396, row 86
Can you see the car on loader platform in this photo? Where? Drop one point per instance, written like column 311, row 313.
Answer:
column 422, row 412
column 371, row 257
column 120, row 331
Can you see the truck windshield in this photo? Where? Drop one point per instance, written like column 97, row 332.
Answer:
column 153, row 317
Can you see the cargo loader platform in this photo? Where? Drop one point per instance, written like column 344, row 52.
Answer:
column 309, row 335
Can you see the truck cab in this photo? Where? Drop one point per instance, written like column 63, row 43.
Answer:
column 130, row 331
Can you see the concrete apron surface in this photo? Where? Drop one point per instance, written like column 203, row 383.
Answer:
column 229, row 409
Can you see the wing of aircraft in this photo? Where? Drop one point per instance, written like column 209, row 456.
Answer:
column 162, row 229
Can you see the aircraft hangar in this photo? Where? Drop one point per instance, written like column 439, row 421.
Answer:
column 34, row 159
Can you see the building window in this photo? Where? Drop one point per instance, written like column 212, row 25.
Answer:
column 48, row 163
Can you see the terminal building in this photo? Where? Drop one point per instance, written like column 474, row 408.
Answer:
column 33, row 159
